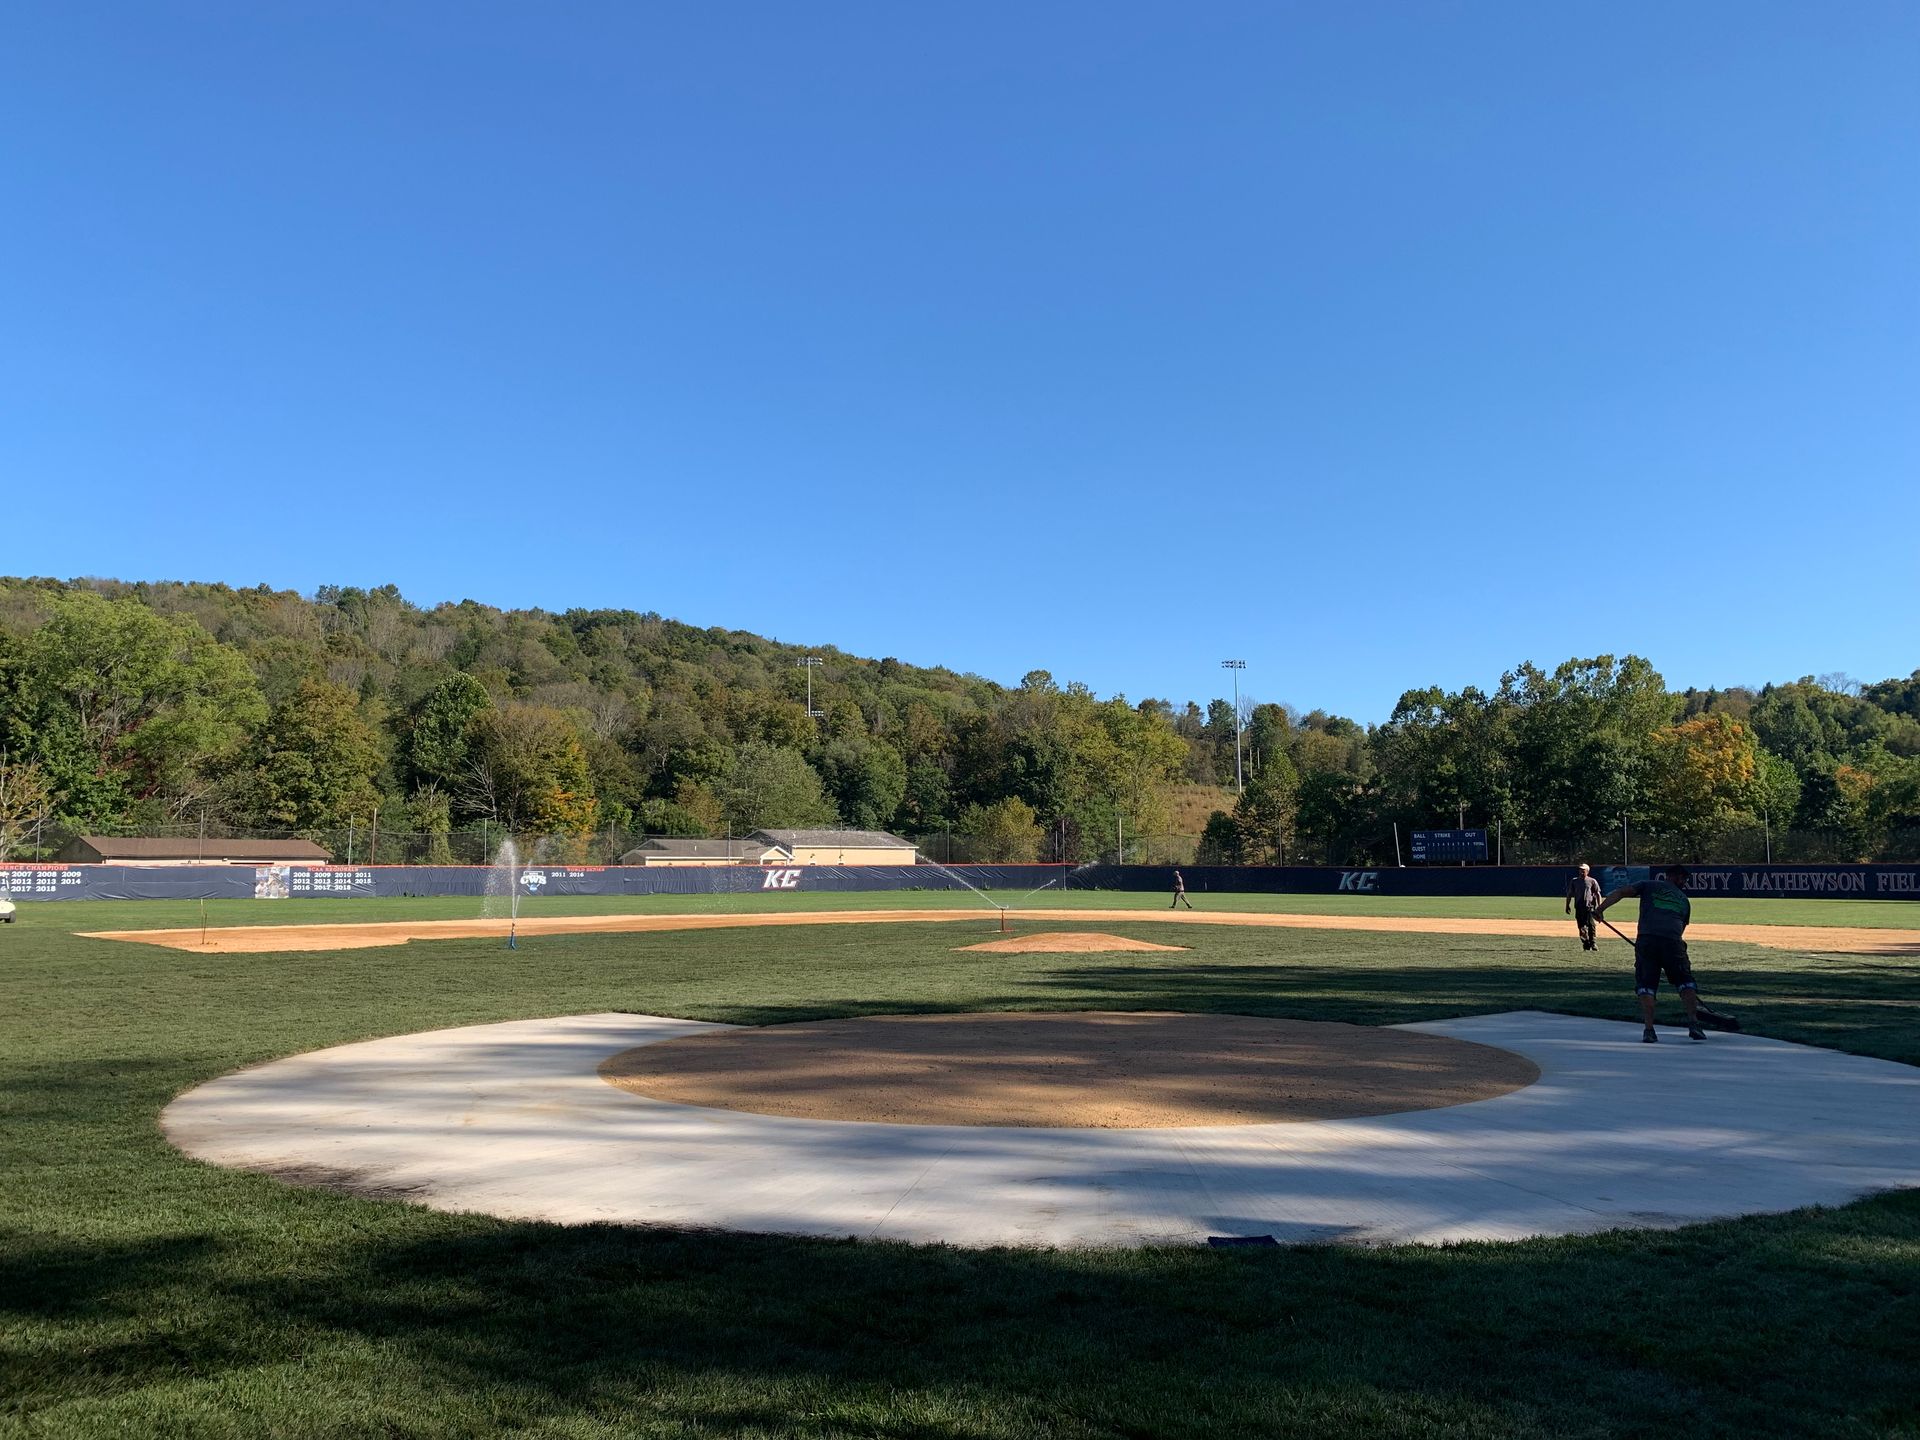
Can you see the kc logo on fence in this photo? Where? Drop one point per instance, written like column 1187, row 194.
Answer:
column 1360, row 880
column 781, row 880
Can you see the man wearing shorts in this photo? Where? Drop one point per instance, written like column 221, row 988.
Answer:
column 1661, row 946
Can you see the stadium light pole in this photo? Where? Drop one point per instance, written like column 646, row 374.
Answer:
column 1239, row 776
column 810, row 664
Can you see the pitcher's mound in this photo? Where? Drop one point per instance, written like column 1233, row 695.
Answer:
column 1066, row 942
column 1097, row 1069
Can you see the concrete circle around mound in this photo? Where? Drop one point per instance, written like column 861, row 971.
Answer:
column 1074, row 1069
column 515, row 1120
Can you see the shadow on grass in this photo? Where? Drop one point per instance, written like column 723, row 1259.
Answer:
column 1748, row 1328
column 1860, row 1007
column 146, row 1294
column 1862, row 1010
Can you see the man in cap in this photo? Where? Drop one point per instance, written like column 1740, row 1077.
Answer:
column 1661, row 945
column 1583, row 895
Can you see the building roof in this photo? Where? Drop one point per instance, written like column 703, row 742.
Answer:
column 844, row 839
column 697, row 849
column 142, row 847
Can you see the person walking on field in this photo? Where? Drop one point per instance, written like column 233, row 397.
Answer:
column 1661, row 945
column 1583, row 895
column 1180, row 892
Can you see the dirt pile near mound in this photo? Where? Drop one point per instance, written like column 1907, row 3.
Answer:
column 1065, row 942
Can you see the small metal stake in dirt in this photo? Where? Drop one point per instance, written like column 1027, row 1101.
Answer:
column 203, row 924
column 1003, row 919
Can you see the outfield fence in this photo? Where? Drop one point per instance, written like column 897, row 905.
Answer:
column 1015, row 885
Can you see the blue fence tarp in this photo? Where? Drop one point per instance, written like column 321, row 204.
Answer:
column 1802, row 882
column 275, row 882
column 280, row 882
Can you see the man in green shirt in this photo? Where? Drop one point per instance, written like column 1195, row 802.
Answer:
column 1661, row 945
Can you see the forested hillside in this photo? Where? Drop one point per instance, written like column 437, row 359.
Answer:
column 132, row 708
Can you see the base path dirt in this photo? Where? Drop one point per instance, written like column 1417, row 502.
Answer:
column 271, row 939
column 1082, row 1069
column 1064, row 942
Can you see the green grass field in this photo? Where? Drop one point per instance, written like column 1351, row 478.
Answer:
column 144, row 1294
column 160, row 914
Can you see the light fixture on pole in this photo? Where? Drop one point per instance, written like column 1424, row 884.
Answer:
column 810, row 664
column 1239, row 776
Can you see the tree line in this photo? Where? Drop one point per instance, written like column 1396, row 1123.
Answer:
column 128, row 707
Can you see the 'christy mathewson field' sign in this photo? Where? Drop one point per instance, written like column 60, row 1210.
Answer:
column 1821, row 880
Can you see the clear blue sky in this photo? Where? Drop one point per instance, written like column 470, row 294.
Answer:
column 1380, row 345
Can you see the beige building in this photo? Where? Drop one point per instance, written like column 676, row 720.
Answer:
column 664, row 850
column 140, row 850
column 841, row 847
column 779, row 847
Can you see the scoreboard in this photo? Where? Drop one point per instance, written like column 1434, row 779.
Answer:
column 1445, row 845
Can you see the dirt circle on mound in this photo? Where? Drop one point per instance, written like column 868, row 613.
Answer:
column 1078, row 1069
column 1065, row 942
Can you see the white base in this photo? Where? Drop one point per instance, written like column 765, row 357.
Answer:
column 513, row 1120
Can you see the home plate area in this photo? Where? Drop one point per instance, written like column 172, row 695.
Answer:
column 1073, row 1129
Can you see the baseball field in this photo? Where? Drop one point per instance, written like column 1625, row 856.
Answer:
column 145, row 1292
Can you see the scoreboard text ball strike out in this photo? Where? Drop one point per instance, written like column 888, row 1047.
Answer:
column 1427, row 845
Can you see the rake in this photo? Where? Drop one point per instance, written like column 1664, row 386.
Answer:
column 1712, row 1019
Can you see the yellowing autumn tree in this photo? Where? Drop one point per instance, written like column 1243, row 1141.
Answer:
column 528, row 770
column 1705, row 776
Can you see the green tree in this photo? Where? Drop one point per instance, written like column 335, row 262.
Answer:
column 1581, row 740
column 437, row 745
column 927, row 803
column 430, row 814
column 1333, row 807
column 528, row 771
column 1004, row 832
column 1268, row 734
column 1220, row 841
column 1221, row 734
column 771, row 786
column 26, row 799
column 122, row 707
column 1264, row 813
column 312, row 766
column 867, row 781
column 1776, row 790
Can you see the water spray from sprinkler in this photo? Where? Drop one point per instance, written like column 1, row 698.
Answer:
column 503, row 889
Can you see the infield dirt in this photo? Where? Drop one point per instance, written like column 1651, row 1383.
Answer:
column 1079, row 1069
column 272, row 939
